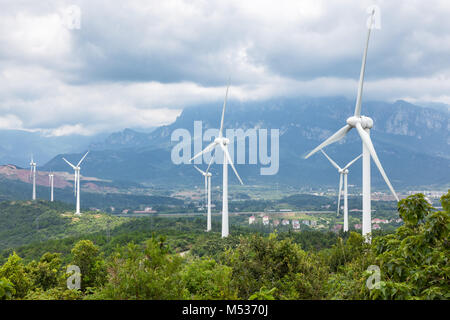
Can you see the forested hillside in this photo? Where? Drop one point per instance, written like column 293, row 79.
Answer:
column 24, row 222
column 175, row 259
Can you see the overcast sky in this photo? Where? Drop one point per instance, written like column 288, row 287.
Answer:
column 139, row 63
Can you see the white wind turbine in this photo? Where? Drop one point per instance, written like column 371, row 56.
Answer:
column 363, row 125
column 343, row 172
column 77, row 181
column 50, row 181
column 33, row 176
column 223, row 143
column 207, row 176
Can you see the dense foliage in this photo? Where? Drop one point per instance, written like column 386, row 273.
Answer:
column 177, row 260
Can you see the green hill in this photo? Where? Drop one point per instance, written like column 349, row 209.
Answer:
column 24, row 222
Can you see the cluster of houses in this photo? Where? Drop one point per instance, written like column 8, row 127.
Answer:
column 284, row 222
column 375, row 224
column 146, row 210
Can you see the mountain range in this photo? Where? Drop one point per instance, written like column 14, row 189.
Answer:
column 17, row 146
column 412, row 143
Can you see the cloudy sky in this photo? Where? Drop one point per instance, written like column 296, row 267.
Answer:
column 138, row 63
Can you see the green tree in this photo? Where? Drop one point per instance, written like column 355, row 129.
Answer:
column 15, row 272
column 46, row 273
column 415, row 260
column 151, row 273
column 87, row 257
column 263, row 294
column 54, row 294
column 6, row 289
column 266, row 261
column 206, row 279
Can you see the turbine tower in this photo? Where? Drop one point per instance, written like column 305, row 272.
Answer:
column 77, row 169
column 207, row 176
column 363, row 125
column 223, row 143
column 50, row 181
column 33, row 176
column 343, row 172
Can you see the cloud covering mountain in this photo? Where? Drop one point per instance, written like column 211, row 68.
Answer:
column 139, row 63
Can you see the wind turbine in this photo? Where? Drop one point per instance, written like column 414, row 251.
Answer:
column 33, row 176
column 343, row 172
column 77, row 180
column 223, row 143
column 207, row 176
column 363, row 125
column 50, row 181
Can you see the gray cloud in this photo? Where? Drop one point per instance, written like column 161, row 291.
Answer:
column 138, row 63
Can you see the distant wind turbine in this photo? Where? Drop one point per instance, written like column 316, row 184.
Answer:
column 77, row 181
column 207, row 176
column 343, row 172
column 223, row 143
column 33, row 176
column 363, row 125
column 50, row 181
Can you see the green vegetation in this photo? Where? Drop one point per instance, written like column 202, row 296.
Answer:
column 173, row 258
column 24, row 222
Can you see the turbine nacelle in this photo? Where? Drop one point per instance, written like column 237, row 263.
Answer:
column 222, row 140
column 366, row 122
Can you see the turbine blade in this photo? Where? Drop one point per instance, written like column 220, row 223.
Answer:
column 223, row 111
column 207, row 149
column 335, row 137
column 225, row 150
column 69, row 163
column 352, row 162
column 361, row 75
column 202, row 172
column 331, row 160
column 210, row 161
column 339, row 195
column 82, row 159
column 368, row 143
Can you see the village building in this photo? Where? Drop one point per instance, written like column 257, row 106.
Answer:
column 376, row 227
